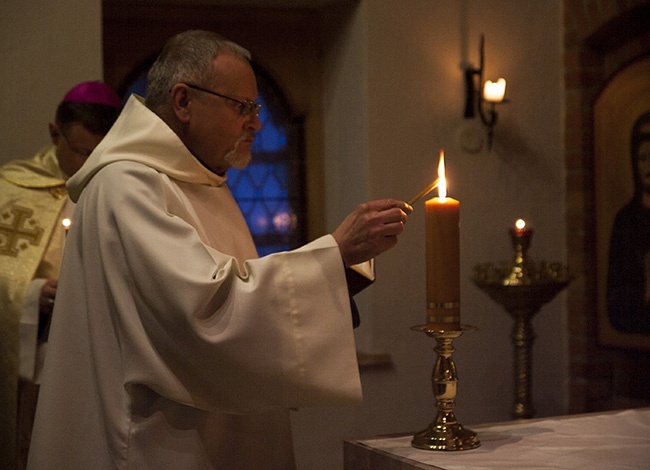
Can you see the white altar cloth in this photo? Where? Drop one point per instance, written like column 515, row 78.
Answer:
column 609, row 441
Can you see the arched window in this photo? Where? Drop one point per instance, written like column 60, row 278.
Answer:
column 270, row 190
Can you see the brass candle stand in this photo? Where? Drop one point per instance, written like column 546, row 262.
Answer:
column 445, row 432
column 522, row 287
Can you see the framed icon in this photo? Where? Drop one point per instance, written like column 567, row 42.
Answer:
column 622, row 205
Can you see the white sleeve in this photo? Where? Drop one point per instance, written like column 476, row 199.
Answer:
column 187, row 321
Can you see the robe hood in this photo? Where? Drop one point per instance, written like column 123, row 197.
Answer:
column 139, row 135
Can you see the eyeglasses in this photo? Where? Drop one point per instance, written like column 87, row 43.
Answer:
column 246, row 107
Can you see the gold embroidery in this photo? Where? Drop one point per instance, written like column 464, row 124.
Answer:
column 59, row 192
column 17, row 228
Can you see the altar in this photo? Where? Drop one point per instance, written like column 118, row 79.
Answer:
column 610, row 440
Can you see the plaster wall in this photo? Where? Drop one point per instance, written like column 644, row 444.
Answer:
column 393, row 99
column 46, row 48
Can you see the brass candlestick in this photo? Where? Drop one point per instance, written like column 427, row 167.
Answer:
column 445, row 432
column 522, row 287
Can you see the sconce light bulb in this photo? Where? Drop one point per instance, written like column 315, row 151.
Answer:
column 494, row 92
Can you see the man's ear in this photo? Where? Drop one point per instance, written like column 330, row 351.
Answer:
column 181, row 101
column 55, row 133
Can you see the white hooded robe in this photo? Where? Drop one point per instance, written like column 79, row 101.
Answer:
column 172, row 346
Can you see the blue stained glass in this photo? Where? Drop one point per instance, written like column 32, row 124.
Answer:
column 259, row 181
column 246, row 207
column 139, row 87
column 271, row 138
column 264, row 250
column 240, row 184
column 275, row 186
column 284, row 220
column 259, row 221
column 259, row 175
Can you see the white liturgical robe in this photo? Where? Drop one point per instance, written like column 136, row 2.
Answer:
column 172, row 345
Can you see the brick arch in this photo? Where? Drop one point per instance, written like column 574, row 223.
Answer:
column 600, row 37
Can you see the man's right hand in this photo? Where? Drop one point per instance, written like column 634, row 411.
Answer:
column 371, row 229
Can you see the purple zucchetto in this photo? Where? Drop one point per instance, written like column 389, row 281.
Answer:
column 93, row 92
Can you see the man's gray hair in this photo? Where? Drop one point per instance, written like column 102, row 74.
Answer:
column 187, row 57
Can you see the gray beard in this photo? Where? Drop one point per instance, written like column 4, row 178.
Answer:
column 238, row 158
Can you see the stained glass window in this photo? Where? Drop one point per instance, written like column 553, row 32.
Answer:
column 268, row 190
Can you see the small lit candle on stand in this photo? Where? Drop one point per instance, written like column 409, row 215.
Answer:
column 521, row 236
column 522, row 286
column 66, row 225
column 521, row 228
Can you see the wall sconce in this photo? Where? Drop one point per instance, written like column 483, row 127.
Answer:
column 478, row 94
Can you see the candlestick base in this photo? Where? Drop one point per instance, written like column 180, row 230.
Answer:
column 448, row 437
column 445, row 432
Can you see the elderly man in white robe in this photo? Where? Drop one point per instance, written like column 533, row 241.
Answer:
column 177, row 347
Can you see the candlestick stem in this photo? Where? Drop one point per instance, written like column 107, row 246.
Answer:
column 445, row 432
column 523, row 336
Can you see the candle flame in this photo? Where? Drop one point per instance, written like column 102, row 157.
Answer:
column 520, row 224
column 66, row 223
column 442, row 181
